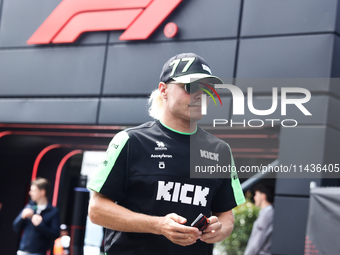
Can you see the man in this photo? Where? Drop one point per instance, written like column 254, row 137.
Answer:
column 62, row 244
column 39, row 221
column 260, row 238
column 143, row 193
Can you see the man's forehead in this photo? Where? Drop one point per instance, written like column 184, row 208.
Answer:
column 35, row 187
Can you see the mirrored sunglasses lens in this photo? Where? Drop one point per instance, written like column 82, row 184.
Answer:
column 192, row 88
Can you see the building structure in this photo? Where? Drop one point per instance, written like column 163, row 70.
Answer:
column 58, row 100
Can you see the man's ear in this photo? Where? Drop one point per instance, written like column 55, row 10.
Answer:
column 162, row 87
column 43, row 191
column 264, row 196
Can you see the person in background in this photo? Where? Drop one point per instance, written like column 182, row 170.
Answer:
column 260, row 239
column 61, row 245
column 39, row 221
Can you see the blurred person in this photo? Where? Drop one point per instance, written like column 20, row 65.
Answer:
column 260, row 239
column 39, row 221
column 62, row 244
column 143, row 194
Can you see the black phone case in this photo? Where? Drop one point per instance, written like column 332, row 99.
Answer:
column 201, row 222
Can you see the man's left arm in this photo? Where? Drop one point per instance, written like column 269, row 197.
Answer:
column 220, row 227
column 51, row 230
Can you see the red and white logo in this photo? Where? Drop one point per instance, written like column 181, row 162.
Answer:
column 71, row 18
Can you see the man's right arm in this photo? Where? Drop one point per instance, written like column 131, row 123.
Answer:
column 26, row 213
column 105, row 212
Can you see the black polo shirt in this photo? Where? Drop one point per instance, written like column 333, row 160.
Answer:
column 147, row 170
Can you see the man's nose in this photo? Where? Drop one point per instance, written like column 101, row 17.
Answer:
column 198, row 94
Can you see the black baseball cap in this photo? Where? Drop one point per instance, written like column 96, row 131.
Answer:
column 187, row 68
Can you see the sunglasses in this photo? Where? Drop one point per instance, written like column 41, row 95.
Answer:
column 193, row 87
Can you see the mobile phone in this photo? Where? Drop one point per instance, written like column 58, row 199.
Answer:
column 201, row 222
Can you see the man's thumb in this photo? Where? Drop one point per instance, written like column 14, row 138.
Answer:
column 179, row 219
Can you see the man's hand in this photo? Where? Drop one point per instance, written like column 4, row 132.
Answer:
column 220, row 227
column 36, row 219
column 103, row 211
column 27, row 213
column 172, row 228
column 213, row 233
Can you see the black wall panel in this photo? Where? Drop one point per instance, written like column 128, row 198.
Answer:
column 20, row 19
column 286, row 57
column 337, row 24
column 331, row 152
column 310, row 150
column 113, row 111
column 310, row 145
column 0, row 12
column 294, row 187
column 290, row 220
column 93, row 38
column 266, row 85
column 49, row 111
column 266, row 17
column 314, row 144
column 196, row 21
column 333, row 112
column 52, row 71
column 119, row 111
column 335, row 86
column 133, row 69
column 336, row 60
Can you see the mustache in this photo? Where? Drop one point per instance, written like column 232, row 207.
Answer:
column 196, row 103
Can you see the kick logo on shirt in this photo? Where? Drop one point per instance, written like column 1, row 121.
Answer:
column 179, row 193
column 209, row 155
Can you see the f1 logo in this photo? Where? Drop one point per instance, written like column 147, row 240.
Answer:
column 71, row 18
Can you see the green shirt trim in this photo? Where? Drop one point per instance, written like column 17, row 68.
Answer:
column 235, row 183
column 174, row 130
column 115, row 147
